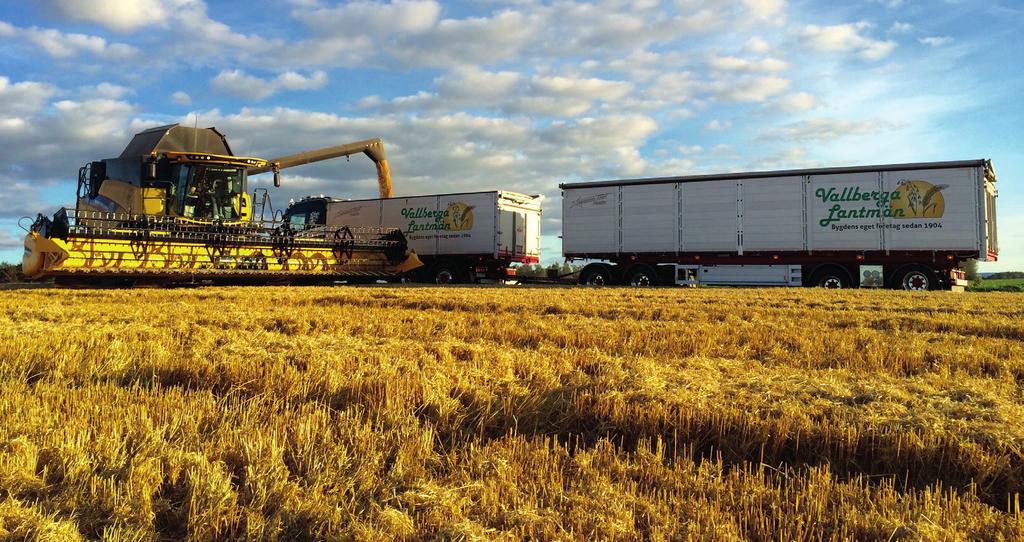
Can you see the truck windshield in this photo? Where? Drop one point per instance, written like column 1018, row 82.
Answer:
column 209, row 192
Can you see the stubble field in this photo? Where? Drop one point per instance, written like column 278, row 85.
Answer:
column 384, row 413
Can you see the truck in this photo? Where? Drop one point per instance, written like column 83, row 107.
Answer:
column 902, row 226
column 459, row 237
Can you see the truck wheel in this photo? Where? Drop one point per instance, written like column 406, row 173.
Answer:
column 445, row 272
column 830, row 278
column 641, row 275
column 917, row 279
column 597, row 274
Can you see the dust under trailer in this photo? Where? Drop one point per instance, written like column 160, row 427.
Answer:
column 902, row 226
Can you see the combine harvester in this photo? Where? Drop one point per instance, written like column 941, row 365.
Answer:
column 175, row 208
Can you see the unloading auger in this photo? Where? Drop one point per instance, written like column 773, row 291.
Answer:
column 175, row 207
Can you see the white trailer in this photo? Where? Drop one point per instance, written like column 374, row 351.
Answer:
column 459, row 237
column 904, row 226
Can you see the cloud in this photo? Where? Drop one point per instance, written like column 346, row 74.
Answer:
column 107, row 91
column 24, row 98
column 60, row 45
column 118, row 15
column 846, row 38
column 715, row 125
column 797, row 102
column 509, row 93
column 790, row 158
column 250, row 87
column 43, row 141
column 900, row 28
column 936, row 41
column 181, row 98
column 748, row 88
column 757, row 46
column 824, row 129
column 732, row 63
column 765, row 9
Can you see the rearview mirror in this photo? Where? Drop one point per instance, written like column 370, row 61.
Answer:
column 277, row 178
column 151, row 169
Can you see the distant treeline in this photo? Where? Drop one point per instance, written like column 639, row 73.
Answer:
column 11, row 272
column 1005, row 275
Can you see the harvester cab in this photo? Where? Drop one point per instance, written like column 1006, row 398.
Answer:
column 175, row 207
column 172, row 170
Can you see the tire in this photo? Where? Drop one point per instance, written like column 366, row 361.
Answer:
column 831, row 278
column 916, row 279
column 446, row 272
column 597, row 274
column 641, row 276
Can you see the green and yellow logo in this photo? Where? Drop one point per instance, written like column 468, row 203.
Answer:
column 920, row 199
column 457, row 217
column 910, row 199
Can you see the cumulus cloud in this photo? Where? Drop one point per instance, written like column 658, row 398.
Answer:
column 23, row 98
column 732, row 63
column 825, row 129
column 181, row 98
column 715, row 125
column 846, row 38
column 118, row 15
column 62, row 45
column 797, row 102
column 104, row 90
column 508, row 92
column 757, row 45
column 765, row 9
column 748, row 88
column 45, row 141
column 240, row 83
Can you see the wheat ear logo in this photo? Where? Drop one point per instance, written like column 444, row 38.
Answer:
column 459, row 216
column 920, row 199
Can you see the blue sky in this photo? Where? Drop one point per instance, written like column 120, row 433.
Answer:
column 516, row 95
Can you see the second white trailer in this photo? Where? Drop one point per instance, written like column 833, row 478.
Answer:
column 460, row 237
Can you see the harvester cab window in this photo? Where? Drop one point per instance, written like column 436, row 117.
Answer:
column 209, row 192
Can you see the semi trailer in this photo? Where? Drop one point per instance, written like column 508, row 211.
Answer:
column 904, row 226
column 460, row 238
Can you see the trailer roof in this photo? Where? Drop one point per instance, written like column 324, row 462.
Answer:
column 518, row 195
column 787, row 173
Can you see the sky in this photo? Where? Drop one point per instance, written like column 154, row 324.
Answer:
column 518, row 95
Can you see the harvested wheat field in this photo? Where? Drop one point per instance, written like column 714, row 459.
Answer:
column 385, row 413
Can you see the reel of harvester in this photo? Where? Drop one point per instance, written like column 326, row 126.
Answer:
column 93, row 245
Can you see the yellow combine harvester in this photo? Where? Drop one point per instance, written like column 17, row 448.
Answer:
column 175, row 207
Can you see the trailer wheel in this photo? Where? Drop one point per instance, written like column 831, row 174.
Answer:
column 597, row 274
column 641, row 275
column 917, row 279
column 445, row 272
column 831, row 278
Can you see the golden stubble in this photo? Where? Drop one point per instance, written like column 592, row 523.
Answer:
column 384, row 413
